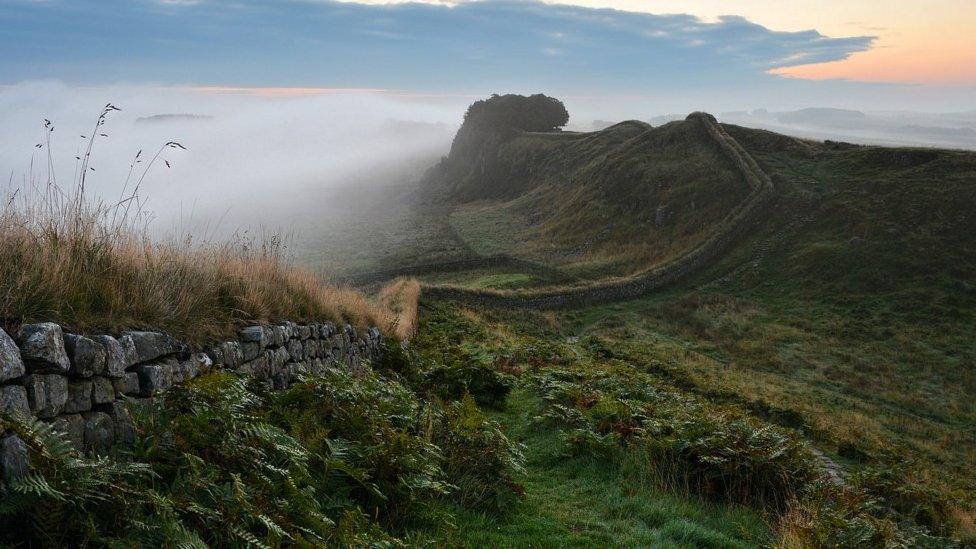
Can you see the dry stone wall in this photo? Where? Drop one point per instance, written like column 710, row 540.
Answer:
column 83, row 385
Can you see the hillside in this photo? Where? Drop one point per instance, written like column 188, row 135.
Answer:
column 631, row 199
column 843, row 311
column 615, row 201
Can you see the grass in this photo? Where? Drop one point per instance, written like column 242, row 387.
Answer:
column 591, row 204
column 495, row 278
column 787, row 361
column 338, row 460
column 92, row 266
column 614, row 406
column 400, row 298
column 581, row 502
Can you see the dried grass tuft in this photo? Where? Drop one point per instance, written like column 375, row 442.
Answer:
column 92, row 266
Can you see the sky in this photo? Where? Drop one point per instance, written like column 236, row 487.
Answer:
column 891, row 54
column 304, row 95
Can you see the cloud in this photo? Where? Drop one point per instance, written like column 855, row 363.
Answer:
column 246, row 152
column 467, row 46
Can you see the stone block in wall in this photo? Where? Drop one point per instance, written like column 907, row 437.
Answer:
column 129, row 350
column 14, row 458
column 257, row 368
column 255, row 334
column 13, row 400
column 46, row 394
column 278, row 358
column 125, row 431
column 354, row 363
column 154, row 378
column 203, row 362
column 11, row 365
column 197, row 364
column 128, row 384
column 232, row 354
column 102, row 390
column 86, row 356
column 335, row 341
column 295, row 349
column 304, row 332
column 73, row 427
column 216, row 355
column 176, row 368
column 152, row 345
column 310, row 348
column 116, row 360
column 79, row 396
column 99, row 432
column 42, row 348
column 251, row 350
column 279, row 335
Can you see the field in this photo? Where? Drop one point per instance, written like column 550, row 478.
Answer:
column 845, row 316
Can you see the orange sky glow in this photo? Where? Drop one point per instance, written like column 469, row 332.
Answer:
column 918, row 41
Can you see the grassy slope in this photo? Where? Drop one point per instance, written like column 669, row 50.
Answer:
column 78, row 266
column 570, row 501
column 855, row 302
column 580, row 502
column 848, row 314
column 373, row 228
column 608, row 202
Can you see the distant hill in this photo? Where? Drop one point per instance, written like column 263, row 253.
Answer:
column 952, row 130
column 823, row 116
column 172, row 118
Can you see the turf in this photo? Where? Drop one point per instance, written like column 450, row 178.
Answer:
column 580, row 502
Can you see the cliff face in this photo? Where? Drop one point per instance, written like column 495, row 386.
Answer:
column 472, row 169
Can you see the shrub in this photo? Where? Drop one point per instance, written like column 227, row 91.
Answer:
column 897, row 490
column 486, row 385
column 69, row 499
column 479, row 459
column 735, row 460
column 675, row 441
column 832, row 516
column 338, row 460
column 380, row 428
column 228, row 474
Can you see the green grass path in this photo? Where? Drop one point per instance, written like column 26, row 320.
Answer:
column 587, row 502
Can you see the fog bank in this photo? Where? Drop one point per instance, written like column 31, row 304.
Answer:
column 246, row 154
